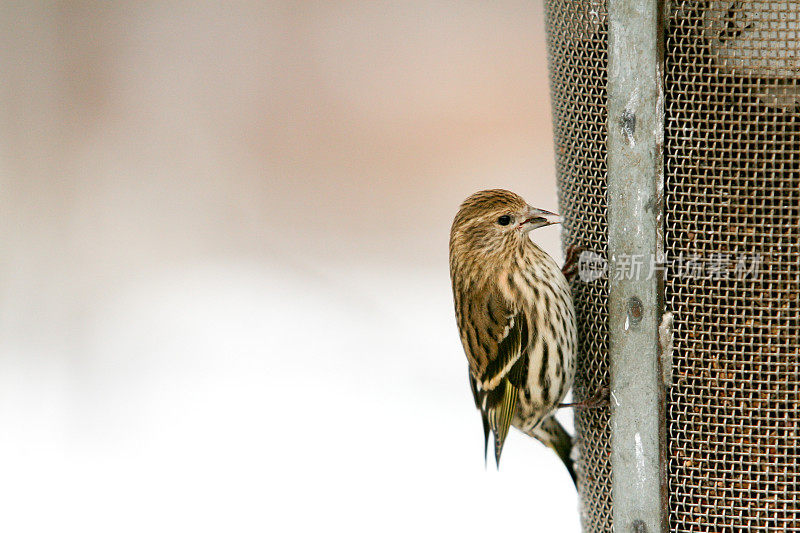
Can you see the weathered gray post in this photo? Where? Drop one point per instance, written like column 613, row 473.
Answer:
column 635, row 198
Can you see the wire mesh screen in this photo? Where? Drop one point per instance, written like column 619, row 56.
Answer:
column 577, row 36
column 732, row 163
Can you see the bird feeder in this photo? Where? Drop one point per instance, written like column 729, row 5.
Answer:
column 677, row 139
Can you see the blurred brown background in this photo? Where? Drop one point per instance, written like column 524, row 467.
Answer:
column 224, row 286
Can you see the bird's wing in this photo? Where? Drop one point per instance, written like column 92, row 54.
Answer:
column 495, row 384
column 509, row 348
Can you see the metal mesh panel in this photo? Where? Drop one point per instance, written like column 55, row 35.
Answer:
column 732, row 160
column 577, row 36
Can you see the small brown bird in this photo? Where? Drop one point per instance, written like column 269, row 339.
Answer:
column 515, row 317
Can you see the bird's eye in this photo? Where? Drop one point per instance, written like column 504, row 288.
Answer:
column 504, row 220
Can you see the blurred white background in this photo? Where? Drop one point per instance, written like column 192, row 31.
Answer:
column 224, row 292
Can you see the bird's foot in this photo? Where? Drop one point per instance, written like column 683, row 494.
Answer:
column 599, row 399
column 573, row 254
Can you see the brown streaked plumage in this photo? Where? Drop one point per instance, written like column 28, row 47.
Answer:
column 515, row 317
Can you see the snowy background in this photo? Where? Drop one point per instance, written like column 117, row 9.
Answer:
column 224, row 292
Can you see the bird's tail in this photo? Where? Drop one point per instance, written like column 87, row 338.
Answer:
column 552, row 434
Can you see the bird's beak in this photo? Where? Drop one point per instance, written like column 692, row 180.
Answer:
column 537, row 218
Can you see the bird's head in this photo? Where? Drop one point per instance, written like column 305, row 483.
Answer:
column 495, row 222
